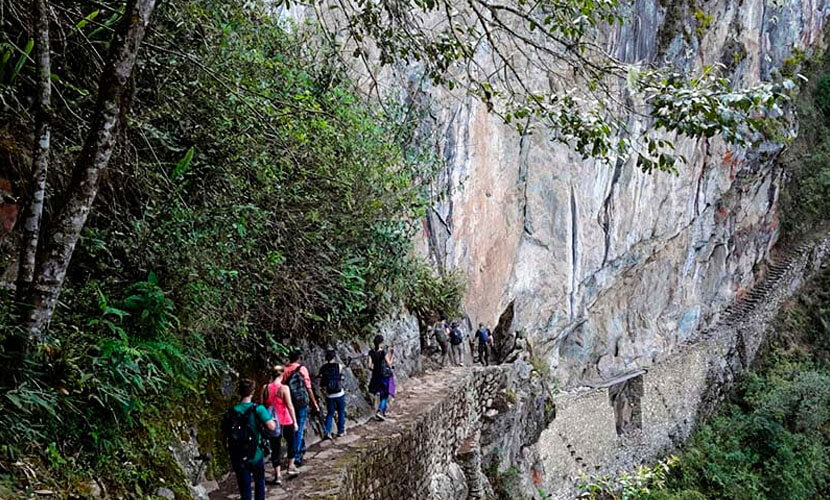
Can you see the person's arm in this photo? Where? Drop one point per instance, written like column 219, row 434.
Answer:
column 307, row 380
column 286, row 397
column 390, row 356
column 266, row 418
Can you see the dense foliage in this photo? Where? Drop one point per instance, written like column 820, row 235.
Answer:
column 255, row 199
column 806, row 201
column 536, row 63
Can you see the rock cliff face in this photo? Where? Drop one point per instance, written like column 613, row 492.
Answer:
column 606, row 269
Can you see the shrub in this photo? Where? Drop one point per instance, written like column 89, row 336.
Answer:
column 822, row 96
column 271, row 203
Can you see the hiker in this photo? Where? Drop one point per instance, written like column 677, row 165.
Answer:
column 381, row 375
column 276, row 396
column 441, row 331
column 296, row 377
column 456, row 339
column 331, row 380
column 242, row 428
column 485, row 339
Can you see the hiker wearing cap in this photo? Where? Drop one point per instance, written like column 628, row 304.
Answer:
column 484, row 339
column 381, row 375
column 243, row 428
column 276, row 396
column 331, row 380
column 296, row 377
column 456, row 340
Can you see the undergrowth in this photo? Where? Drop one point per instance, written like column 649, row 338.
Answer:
column 254, row 200
column 805, row 202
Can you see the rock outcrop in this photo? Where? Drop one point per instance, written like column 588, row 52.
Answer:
column 604, row 268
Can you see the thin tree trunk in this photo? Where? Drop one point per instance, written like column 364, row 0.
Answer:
column 64, row 230
column 34, row 208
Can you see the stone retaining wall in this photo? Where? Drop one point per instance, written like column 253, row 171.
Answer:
column 585, row 438
column 421, row 460
column 455, row 424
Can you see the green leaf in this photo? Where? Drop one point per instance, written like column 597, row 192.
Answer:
column 83, row 22
column 184, row 163
column 22, row 60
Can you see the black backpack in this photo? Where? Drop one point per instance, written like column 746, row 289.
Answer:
column 330, row 378
column 455, row 336
column 379, row 361
column 296, row 384
column 242, row 434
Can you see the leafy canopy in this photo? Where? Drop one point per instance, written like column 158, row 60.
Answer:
column 546, row 63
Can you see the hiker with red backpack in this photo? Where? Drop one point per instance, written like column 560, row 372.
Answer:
column 296, row 377
column 243, row 428
column 331, row 380
column 276, row 397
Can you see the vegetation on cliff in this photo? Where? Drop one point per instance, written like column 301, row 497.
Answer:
column 253, row 198
column 201, row 183
column 771, row 440
column 806, row 200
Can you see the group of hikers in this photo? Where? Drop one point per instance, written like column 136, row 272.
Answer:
column 450, row 339
column 253, row 431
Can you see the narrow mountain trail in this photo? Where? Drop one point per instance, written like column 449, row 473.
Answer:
column 326, row 461
column 331, row 464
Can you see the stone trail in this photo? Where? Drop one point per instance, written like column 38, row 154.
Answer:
column 325, row 462
column 785, row 262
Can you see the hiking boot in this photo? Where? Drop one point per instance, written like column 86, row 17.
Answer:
column 379, row 417
column 293, row 472
column 278, row 481
column 340, row 434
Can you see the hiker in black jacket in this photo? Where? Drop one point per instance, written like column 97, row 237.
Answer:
column 331, row 380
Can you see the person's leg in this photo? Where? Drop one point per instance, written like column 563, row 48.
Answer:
column 330, row 407
column 340, row 404
column 258, row 471
column 243, row 480
column 276, row 456
column 302, row 416
column 289, row 435
column 384, row 400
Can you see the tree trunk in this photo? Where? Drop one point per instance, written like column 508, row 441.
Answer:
column 66, row 226
column 34, row 207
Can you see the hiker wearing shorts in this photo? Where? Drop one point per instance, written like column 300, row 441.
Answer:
column 382, row 375
column 277, row 398
column 456, row 340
